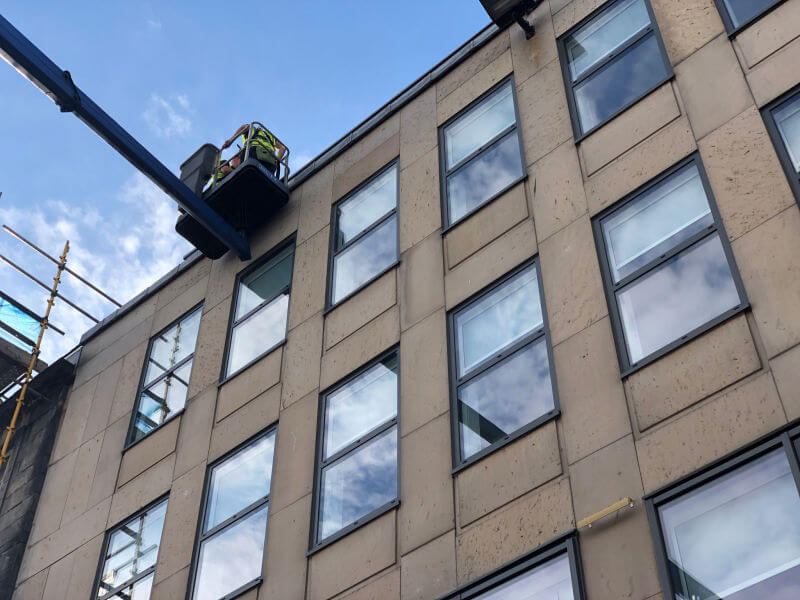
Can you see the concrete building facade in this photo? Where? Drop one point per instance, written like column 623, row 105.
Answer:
column 441, row 360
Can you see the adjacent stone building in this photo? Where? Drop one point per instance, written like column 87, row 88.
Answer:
column 551, row 275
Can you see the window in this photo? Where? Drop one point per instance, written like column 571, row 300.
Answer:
column 165, row 377
column 502, row 381
column 129, row 555
column 364, row 235
column 357, row 476
column 733, row 530
column 233, row 528
column 610, row 61
column 738, row 13
column 552, row 572
column 782, row 118
column 260, row 310
column 667, row 267
column 481, row 153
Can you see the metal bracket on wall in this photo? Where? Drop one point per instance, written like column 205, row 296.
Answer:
column 609, row 510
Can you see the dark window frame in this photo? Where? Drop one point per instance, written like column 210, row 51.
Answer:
column 569, row 85
column 564, row 544
column 107, row 539
column 129, row 441
column 717, row 228
column 445, row 173
column 787, row 437
column 319, row 464
column 238, row 516
column 224, row 376
column 454, row 382
column 728, row 21
column 777, row 141
column 333, row 253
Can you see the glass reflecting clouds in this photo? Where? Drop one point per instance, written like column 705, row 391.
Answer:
column 362, row 261
column 605, row 33
column 138, row 591
column 232, row 557
column 265, row 282
column 787, row 118
column 366, row 206
column 484, row 176
column 505, row 398
column 619, row 83
column 360, row 482
column 497, row 320
column 479, row 125
column 737, row 537
column 258, row 333
column 360, row 405
column 655, row 222
column 676, row 297
column 549, row 581
column 172, row 346
column 132, row 549
column 741, row 11
column 240, row 481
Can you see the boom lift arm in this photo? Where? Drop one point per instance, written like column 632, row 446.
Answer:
column 35, row 66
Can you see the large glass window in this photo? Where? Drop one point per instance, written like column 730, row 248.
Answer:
column 129, row 556
column 502, row 379
column 364, row 235
column 551, row 573
column 260, row 310
column 357, row 462
column 668, row 270
column 165, row 381
column 482, row 153
column 782, row 118
column 738, row 13
column 234, row 521
column 611, row 61
column 733, row 532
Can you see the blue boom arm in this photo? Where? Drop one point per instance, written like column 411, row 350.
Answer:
column 32, row 64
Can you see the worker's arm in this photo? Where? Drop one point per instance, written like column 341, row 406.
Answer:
column 236, row 134
column 281, row 149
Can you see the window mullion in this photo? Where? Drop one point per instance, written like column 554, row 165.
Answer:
column 132, row 581
column 234, row 518
column 508, row 351
column 169, row 372
column 486, row 146
column 246, row 316
column 362, row 441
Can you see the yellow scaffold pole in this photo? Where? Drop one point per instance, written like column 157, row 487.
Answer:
column 34, row 355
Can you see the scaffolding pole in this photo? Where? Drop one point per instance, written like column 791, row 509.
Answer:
column 34, row 355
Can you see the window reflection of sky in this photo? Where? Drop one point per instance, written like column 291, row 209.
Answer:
column 605, row 33
column 739, row 535
column 358, row 483
column 366, row 206
column 138, row 591
column 484, row 176
column 239, row 481
column 656, row 222
column 505, row 398
column 172, row 346
column 258, row 333
column 619, row 83
column 550, row 581
column 360, row 406
column 497, row 319
column 479, row 125
column 787, row 118
column 364, row 259
column 676, row 297
column 231, row 558
column 742, row 11
column 266, row 281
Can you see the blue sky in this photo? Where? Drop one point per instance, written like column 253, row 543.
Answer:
column 177, row 74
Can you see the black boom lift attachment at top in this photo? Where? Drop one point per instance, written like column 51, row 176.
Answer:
column 246, row 197
column 216, row 222
column 505, row 12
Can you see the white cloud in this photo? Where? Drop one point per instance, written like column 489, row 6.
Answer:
column 154, row 24
column 168, row 117
column 122, row 251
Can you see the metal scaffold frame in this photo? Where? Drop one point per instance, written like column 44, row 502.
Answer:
column 43, row 325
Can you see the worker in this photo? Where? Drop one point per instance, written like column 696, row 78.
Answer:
column 263, row 145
